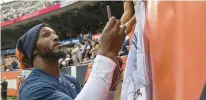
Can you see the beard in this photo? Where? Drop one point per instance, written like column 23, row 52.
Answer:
column 52, row 54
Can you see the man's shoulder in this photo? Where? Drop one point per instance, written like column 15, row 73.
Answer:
column 38, row 85
column 68, row 77
column 34, row 80
column 35, row 87
column 4, row 82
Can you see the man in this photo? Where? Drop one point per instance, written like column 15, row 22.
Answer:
column 4, row 85
column 8, row 64
column 87, row 47
column 75, row 55
column 4, row 67
column 79, row 52
column 14, row 63
column 41, row 48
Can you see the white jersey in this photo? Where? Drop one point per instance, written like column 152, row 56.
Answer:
column 136, row 74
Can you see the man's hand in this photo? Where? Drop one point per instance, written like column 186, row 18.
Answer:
column 111, row 42
column 112, row 39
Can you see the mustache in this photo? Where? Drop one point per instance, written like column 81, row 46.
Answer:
column 57, row 43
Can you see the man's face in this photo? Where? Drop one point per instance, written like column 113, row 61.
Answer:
column 48, row 44
column 4, row 79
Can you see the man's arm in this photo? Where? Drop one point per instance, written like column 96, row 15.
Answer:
column 130, row 24
column 128, row 17
column 100, row 79
column 106, row 62
column 128, row 12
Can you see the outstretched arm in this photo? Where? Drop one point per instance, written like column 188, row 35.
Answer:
column 100, row 79
column 128, row 12
column 128, row 17
column 130, row 24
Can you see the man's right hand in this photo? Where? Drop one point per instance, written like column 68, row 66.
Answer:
column 112, row 39
column 111, row 42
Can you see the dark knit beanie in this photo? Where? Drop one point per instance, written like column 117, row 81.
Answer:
column 26, row 45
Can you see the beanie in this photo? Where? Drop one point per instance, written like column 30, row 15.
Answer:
column 25, row 46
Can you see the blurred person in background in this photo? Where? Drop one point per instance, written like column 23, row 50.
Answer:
column 90, row 36
column 94, row 54
column 86, row 50
column 60, row 63
column 10, row 63
column 63, row 62
column 97, row 40
column 6, row 68
column 74, row 54
column 68, row 57
column 80, row 36
column 4, row 85
column 93, row 43
column 82, row 46
column 7, row 64
column 97, row 47
column 3, row 66
column 92, row 51
column 14, row 63
column 96, row 50
column 79, row 52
